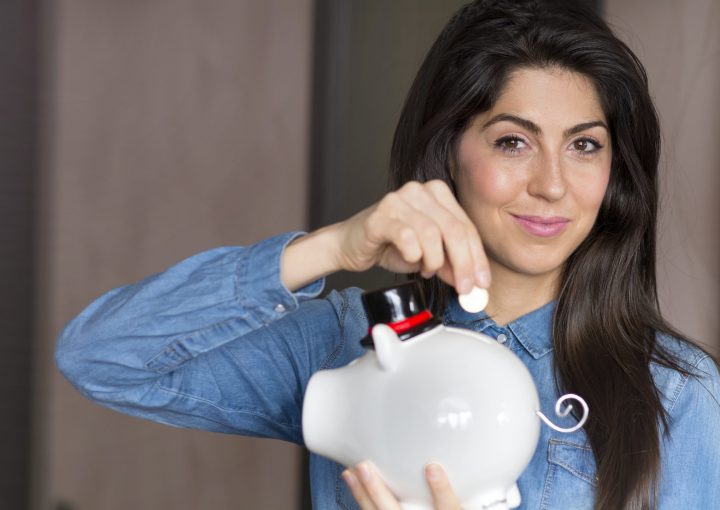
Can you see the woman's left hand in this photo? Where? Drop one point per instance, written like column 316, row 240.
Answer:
column 371, row 493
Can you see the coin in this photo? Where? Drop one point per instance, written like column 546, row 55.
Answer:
column 474, row 301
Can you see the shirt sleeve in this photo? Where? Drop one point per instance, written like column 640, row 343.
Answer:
column 215, row 342
column 691, row 454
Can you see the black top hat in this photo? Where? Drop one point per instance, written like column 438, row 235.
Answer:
column 402, row 307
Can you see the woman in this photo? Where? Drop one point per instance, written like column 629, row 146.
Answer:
column 527, row 150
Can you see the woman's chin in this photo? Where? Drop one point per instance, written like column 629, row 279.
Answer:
column 531, row 267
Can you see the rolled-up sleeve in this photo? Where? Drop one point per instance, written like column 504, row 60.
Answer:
column 216, row 342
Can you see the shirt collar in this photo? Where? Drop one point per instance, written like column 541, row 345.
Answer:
column 533, row 330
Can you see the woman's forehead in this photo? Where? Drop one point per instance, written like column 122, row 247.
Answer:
column 549, row 95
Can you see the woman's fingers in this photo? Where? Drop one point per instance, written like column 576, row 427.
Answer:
column 369, row 490
column 358, row 491
column 419, row 227
column 481, row 268
column 383, row 229
column 371, row 493
column 454, row 232
column 426, row 230
column 366, row 239
column 460, row 239
column 444, row 498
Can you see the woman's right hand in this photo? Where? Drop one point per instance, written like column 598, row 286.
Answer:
column 417, row 228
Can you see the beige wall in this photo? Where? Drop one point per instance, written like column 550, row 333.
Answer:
column 173, row 126
column 679, row 43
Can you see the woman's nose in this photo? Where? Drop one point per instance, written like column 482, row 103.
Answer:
column 547, row 179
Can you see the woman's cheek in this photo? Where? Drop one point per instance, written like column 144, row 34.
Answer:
column 594, row 187
column 497, row 182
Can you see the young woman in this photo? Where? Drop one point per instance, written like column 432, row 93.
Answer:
column 527, row 150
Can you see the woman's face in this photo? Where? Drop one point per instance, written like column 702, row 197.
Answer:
column 532, row 171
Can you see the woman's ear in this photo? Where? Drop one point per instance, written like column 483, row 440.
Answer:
column 452, row 169
column 452, row 163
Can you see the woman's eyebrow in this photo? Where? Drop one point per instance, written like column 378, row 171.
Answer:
column 535, row 129
column 527, row 124
column 585, row 125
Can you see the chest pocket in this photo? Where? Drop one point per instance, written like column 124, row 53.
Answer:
column 570, row 482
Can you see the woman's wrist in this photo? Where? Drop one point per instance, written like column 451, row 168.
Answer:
column 310, row 257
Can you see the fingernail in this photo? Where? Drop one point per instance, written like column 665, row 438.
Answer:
column 465, row 286
column 348, row 477
column 483, row 278
column 364, row 471
column 434, row 472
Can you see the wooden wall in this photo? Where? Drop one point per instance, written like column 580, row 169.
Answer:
column 172, row 126
column 18, row 137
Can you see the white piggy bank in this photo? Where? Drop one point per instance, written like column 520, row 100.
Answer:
column 445, row 395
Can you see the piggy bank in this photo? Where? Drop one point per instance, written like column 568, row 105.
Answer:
column 424, row 393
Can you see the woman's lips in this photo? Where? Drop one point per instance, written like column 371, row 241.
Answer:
column 541, row 226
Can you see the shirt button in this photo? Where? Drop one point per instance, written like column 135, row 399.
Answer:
column 279, row 308
column 502, row 338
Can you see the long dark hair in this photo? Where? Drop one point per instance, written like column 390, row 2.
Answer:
column 607, row 313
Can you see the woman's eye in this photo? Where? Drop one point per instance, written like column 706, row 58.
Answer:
column 510, row 144
column 586, row 145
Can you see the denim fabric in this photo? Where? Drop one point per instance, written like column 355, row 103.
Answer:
column 218, row 343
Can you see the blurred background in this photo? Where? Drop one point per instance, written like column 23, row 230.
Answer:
column 136, row 133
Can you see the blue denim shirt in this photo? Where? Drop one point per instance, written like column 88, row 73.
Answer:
column 218, row 343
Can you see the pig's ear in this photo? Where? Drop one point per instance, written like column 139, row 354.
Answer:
column 387, row 347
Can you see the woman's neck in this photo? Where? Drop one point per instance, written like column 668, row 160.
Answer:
column 513, row 295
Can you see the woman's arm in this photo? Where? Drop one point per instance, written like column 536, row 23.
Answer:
column 219, row 342
column 211, row 343
column 418, row 228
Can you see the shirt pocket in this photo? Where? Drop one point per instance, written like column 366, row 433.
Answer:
column 571, row 478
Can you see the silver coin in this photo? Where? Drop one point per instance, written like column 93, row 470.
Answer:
column 474, row 301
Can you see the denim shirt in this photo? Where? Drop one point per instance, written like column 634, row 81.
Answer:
column 218, row 343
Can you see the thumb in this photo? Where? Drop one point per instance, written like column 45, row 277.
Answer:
column 444, row 498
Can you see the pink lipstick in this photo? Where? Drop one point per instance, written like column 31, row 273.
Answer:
column 542, row 226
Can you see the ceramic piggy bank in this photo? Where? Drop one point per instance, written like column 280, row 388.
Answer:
column 424, row 393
